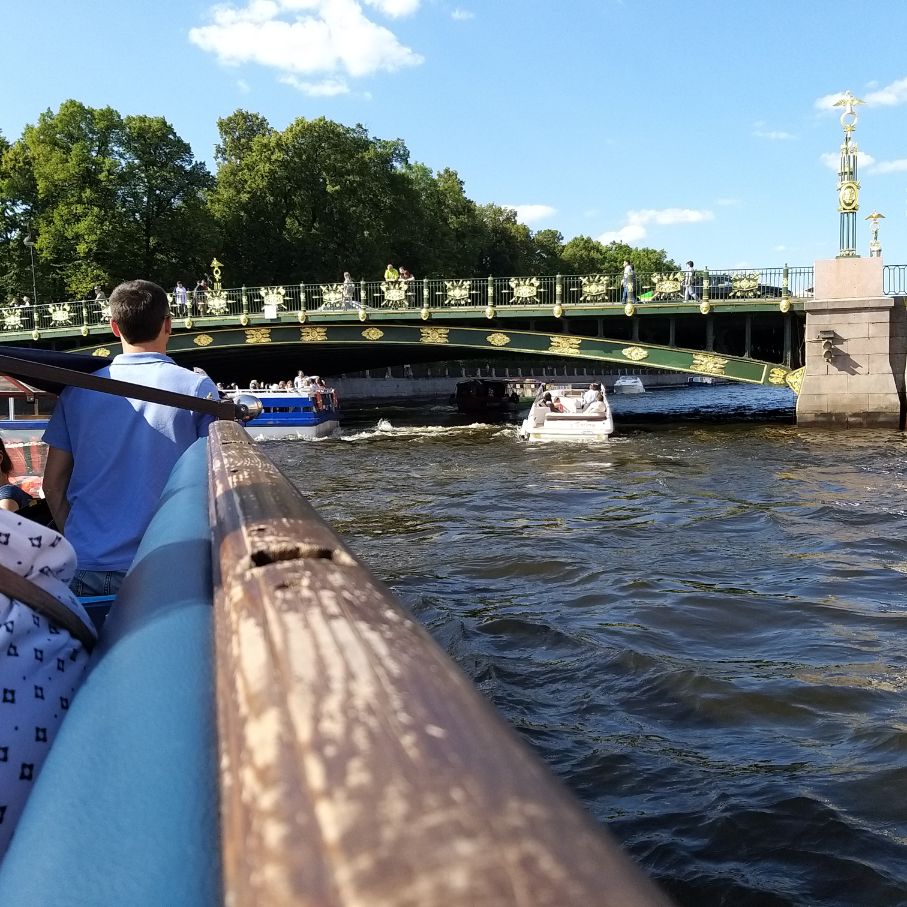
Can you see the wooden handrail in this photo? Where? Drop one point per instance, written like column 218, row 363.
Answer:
column 359, row 766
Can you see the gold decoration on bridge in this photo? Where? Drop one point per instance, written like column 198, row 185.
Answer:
column 273, row 296
column 373, row 334
column 489, row 312
column 629, row 310
column 363, row 315
column 711, row 365
column 594, row 289
column 667, row 285
column 101, row 351
column 203, row 340
column 457, row 292
column 784, row 305
column 313, row 335
column 11, row 319
column 558, row 311
column 705, row 307
column 331, row 295
column 777, row 375
column 525, row 289
column 498, row 339
column 258, row 335
column 744, row 285
column 218, row 304
column 104, row 310
column 394, row 293
column 636, row 353
column 425, row 314
column 60, row 314
column 564, row 346
column 794, row 379
column 434, row 335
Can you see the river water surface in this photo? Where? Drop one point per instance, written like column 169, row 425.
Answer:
column 700, row 626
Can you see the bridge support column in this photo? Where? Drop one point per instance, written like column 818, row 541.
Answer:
column 856, row 349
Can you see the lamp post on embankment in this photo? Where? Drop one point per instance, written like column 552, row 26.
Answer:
column 856, row 337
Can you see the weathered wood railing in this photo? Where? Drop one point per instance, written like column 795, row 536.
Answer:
column 358, row 764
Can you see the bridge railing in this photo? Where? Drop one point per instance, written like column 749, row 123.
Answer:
column 894, row 280
column 568, row 291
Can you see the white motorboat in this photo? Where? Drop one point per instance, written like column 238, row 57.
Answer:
column 629, row 384
column 574, row 422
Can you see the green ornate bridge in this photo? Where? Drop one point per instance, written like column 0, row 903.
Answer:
column 742, row 325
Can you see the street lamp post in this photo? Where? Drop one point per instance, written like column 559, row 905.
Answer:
column 34, row 283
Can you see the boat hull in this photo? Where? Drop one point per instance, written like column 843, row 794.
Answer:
column 570, row 424
column 629, row 386
column 327, row 429
column 291, row 416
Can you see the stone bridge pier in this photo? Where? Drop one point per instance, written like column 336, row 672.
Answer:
column 856, row 349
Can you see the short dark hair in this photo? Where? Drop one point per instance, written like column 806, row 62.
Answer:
column 139, row 307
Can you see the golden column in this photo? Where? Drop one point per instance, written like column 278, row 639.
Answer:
column 848, row 187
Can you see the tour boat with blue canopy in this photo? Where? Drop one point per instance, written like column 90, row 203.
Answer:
column 312, row 412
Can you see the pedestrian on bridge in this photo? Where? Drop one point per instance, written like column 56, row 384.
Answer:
column 628, row 283
column 181, row 299
column 689, row 291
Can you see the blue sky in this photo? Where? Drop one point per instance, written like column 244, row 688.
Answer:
column 701, row 128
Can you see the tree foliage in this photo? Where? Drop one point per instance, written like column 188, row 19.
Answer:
column 109, row 197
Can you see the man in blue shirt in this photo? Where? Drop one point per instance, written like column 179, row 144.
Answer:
column 109, row 457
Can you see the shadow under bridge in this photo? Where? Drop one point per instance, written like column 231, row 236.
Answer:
column 238, row 353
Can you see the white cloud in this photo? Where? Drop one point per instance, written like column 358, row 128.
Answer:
column 828, row 101
column 833, row 161
column 631, row 233
column 462, row 15
column 666, row 216
column 328, row 88
column 774, row 135
column 727, row 202
column 395, row 8
column 528, row 214
column 324, row 39
column 635, row 229
column 899, row 166
column 890, row 96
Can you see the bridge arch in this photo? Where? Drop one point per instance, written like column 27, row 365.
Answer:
column 348, row 343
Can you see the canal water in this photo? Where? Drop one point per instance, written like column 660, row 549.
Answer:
column 700, row 626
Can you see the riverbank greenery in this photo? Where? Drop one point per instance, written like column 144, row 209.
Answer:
column 107, row 197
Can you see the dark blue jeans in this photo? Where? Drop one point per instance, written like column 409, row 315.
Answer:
column 97, row 583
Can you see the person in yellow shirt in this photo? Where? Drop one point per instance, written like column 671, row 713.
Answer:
column 391, row 273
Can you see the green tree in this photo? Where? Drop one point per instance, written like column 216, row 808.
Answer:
column 106, row 198
column 548, row 249
column 441, row 233
column 162, row 193
column 583, row 255
column 16, row 197
column 309, row 202
column 506, row 244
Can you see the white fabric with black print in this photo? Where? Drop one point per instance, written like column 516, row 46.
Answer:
column 41, row 665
